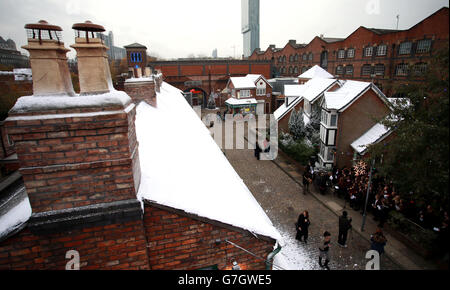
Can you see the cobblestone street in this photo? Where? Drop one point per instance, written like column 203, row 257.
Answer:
column 283, row 200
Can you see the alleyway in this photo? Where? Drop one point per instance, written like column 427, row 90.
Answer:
column 283, row 200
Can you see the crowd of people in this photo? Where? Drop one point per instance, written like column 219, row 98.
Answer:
column 352, row 185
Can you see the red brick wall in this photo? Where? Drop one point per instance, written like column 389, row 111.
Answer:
column 217, row 69
column 142, row 91
column 435, row 27
column 179, row 242
column 261, row 69
column 168, row 70
column 115, row 246
column 192, row 70
column 367, row 109
column 92, row 159
column 239, row 69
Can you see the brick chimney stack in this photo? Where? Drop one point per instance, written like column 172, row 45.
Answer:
column 48, row 60
column 93, row 66
column 78, row 154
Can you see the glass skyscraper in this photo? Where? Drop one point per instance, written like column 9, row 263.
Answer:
column 250, row 26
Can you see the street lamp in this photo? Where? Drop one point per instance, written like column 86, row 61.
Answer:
column 367, row 196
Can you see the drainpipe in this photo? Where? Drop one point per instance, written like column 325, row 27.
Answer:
column 271, row 256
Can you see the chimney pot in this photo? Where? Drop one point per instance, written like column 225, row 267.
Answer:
column 48, row 60
column 93, row 66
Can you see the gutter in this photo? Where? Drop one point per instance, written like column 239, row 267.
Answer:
column 271, row 256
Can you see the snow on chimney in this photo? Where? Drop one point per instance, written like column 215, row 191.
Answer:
column 48, row 60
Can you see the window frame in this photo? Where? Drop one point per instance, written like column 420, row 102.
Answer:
column 375, row 69
column 366, row 49
column 384, row 50
column 366, row 66
column 428, row 48
column 399, row 67
column 352, row 55
column 260, row 91
column 421, row 72
column 346, row 69
column 405, row 51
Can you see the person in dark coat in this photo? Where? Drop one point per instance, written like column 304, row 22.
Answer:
column 323, row 183
column 307, row 179
column 257, row 150
column 345, row 224
column 302, row 226
column 378, row 241
column 324, row 250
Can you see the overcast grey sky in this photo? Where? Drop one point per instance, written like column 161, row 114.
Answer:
column 177, row 28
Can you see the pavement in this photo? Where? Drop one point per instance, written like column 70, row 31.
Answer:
column 277, row 186
column 397, row 251
column 281, row 196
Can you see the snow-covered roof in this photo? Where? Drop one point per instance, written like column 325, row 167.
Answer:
column 15, row 210
column 373, row 135
column 310, row 91
column 315, row 87
column 234, row 101
column 255, row 77
column 174, row 147
column 242, row 83
column 316, row 72
column 294, row 90
column 343, row 96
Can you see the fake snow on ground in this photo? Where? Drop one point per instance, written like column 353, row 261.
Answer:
column 294, row 255
column 182, row 167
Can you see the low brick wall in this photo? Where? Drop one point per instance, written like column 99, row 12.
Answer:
column 177, row 242
column 141, row 91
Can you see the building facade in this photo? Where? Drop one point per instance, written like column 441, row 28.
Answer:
column 114, row 52
column 10, row 56
column 250, row 26
column 249, row 94
column 136, row 55
column 386, row 57
column 347, row 114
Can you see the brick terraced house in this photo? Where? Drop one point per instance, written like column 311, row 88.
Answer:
column 306, row 96
column 104, row 179
column 348, row 114
column 249, row 94
column 384, row 56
